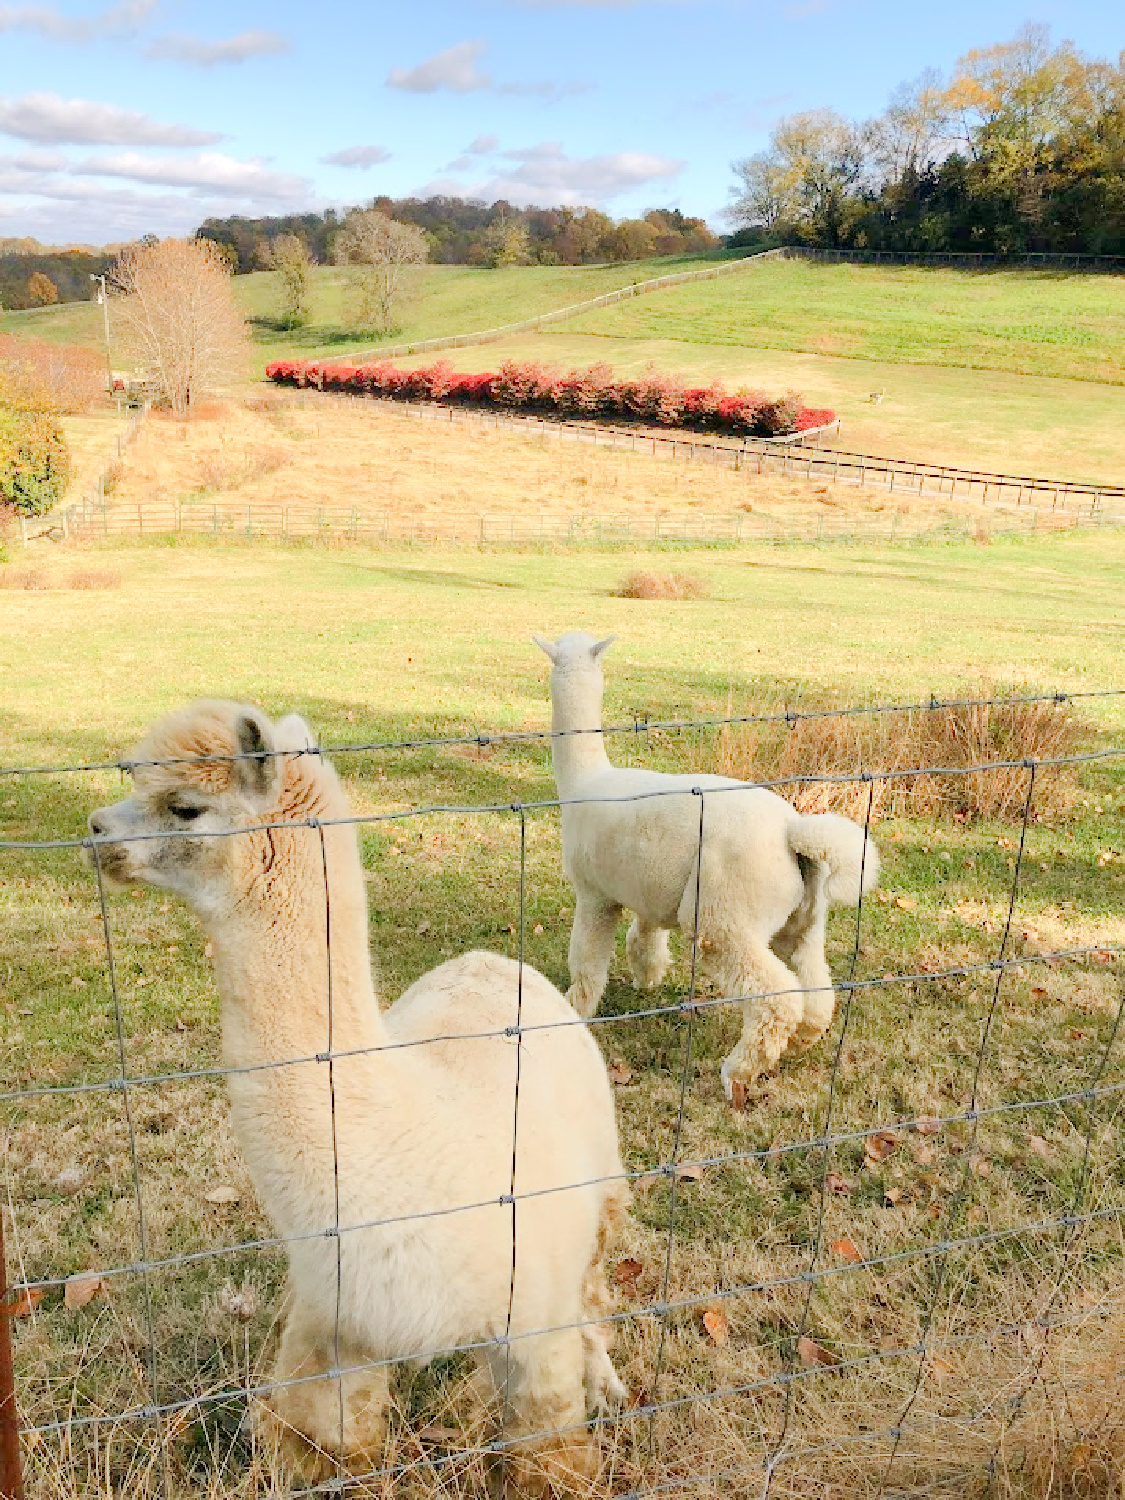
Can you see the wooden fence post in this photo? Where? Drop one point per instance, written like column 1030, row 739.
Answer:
column 11, row 1472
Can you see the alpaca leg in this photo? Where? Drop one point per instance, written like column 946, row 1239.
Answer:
column 318, row 1424
column 591, row 949
column 769, row 1019
column 605, row 1392
column 646, row 948
column 819, row 997
column 546, row 1396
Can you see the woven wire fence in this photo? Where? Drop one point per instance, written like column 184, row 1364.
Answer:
column 734, row 1386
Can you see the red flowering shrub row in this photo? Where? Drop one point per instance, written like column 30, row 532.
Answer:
column 658, row 400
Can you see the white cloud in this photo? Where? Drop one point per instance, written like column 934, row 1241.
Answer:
column 209, row 171
column 48, row 20
column 46, row 117
column 546, row 175
column 357, row 156
column 454, row 69
column 483, row 145
column 457, row 70
column 175, row 47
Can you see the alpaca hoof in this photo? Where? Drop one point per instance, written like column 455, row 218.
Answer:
column 550, row 1470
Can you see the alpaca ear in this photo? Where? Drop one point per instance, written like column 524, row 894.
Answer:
column 293, row 733
column 597, row 649
column 259, row 774
column 547, row 646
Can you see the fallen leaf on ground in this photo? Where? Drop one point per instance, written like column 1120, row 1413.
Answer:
column 940, row 1368
column 847, row 1250
column 691, row 1170
column 1040, row 1147
column 893, row 1196
column 27, row 1301
column 435, row 1433
column 620, row 1072
column 628, row 1273
column 907, row 903
column 537, row 929
column 837, row 1184
column 880, row 1145
column 928, row 1126
column 738, row 1094
column 811, row 1354
column 715, row 1322
column 982, row 1167
column 1039, row 992
column 83, row 1288
column 222, row 1194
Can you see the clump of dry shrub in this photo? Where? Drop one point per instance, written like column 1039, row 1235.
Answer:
column 972, row 734
column 34, row 579
column 641, row 584
column 24, row 578
column 94, row 578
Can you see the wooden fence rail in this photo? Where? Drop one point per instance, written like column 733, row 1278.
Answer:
column 339, row 525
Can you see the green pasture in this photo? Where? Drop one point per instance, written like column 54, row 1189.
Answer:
column 1028, row 322
column 406, row 643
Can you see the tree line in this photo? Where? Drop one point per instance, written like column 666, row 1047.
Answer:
column 1021, row 150
column 462, row 231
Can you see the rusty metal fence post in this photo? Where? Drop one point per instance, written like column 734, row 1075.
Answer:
column 11, row 1473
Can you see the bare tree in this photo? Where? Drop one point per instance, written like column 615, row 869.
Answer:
column 385, row 255
column 177, row 315
column 910, row 136
column 289, row 256
column 766, row 196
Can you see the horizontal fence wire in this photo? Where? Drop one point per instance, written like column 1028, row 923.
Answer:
column 641, row 725
column 807, row 1270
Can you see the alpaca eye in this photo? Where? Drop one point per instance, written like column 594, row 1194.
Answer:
column 186, row 814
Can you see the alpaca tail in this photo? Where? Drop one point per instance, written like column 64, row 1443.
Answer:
column 851, row 858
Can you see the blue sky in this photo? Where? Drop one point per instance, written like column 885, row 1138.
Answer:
column 150, row 115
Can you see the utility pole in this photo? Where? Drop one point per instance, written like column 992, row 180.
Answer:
column 104, row 300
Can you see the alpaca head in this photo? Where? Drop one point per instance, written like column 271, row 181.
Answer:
column 575, row 657
column 211, row 769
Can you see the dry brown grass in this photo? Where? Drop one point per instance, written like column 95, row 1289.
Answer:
column 969, row 735
column 24, row 578
column 40, row 578
column 380, row 459
column 642, row 584
column 94, row 578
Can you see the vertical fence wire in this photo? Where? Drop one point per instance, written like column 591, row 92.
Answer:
column 142, row 1231
column 671, row 1167
column 331, row 1061
column 506, row 1397
column 776, row 1456
column 962, row 1191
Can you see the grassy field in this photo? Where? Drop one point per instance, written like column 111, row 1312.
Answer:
column 375, row 645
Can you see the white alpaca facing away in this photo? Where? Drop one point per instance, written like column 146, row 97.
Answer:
column 420, row 1129
column 766, row 880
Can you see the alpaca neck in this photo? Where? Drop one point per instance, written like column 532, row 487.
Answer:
column 291, row 955
column 576, row 716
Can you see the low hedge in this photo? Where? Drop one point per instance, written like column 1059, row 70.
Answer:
column 652, row 398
